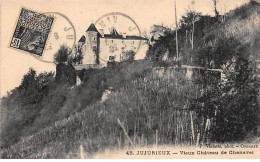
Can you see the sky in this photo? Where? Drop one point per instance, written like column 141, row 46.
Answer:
column 15, row 63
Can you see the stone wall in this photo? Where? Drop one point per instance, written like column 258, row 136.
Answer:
column 194, row 74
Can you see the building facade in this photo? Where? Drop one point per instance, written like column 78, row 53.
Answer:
column 97, row 47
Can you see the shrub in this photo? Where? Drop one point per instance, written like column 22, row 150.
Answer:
column 238, row 112
column 219, row 51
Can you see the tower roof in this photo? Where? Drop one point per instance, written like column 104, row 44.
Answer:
column 92, row 28
column 82, row 39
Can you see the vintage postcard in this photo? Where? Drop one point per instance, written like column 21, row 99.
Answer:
column 130, row 79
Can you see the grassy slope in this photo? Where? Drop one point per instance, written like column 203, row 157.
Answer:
column 60, row 101
column 80, row 97
column 244, row 24
column 143, row 105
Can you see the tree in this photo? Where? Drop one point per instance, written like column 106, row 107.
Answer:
column 218, row 51
column 233, row 104
column 238, row 112
column 187, row 25
column 62, row 55
column 28, row 80
column 33, row 87
column 29, row 90
column 23, row 104
column 77, row 58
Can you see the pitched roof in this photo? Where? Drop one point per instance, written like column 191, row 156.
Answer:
column 82, row 39
column 135, row 37
column 113, row 36
column 92, row 28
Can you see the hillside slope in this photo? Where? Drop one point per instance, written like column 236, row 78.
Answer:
column 214, row 38
column 244, row 23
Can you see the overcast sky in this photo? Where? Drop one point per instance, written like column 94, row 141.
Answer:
column 14, row 64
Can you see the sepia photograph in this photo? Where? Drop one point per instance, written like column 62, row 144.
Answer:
column 130, row 79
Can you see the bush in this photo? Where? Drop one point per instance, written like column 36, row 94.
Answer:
column 238, row 112
column 128, row 56
column 219, row 51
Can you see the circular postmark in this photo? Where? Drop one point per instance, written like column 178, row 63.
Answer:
column 119, row 34
column 62, row 33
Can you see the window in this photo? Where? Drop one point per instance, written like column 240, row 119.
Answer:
column 94, row 38
column 94, row 49
column 111, row 49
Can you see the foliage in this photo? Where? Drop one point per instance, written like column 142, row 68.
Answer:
column 233, row 104
column 22, row 105
column 161, row 47
column 218, row 51
column 77, row 58
column 62, row 55
column 238, row 114
column 167, row 43
column 186, row 22
column 240, row 24
column 40, row 100
column 128, row 56
column 145, row 105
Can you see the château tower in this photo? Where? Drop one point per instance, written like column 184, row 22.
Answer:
column 92, row 45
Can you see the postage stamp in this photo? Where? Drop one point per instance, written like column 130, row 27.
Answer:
column 31, row 32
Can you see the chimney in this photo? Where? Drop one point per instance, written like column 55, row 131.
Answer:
column 124, row 35
column 101, row 31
